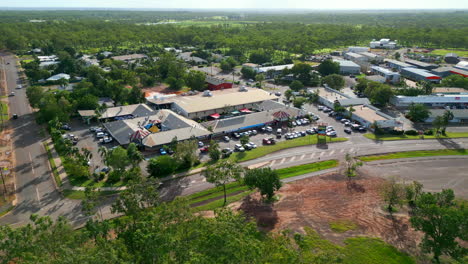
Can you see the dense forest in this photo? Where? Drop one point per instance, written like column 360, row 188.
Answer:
column 295, row 33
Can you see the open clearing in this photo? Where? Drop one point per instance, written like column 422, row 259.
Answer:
column 434, row 173
column 321, row 202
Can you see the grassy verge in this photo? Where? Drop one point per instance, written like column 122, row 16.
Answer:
column 265, row 150
column 80, row 195
column 306, row 168
column 415, row 154
column 357, row 250
column 406, row 137
column 3, row 114
column 342, row 226
column 53, row 166
column 237, row 186
column 86, row 182
column 442, row 52
column 6, row 211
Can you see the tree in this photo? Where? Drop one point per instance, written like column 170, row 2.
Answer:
column 418, row 112
column 378, row 93
column 335, row 81
column 214, row 151
column 34, row 94
column 361, row 85
column 248, row 72
column 455, row 80
column 196, row 80
column 299, row 102
column 244, row 139
column 444, row 223
column 296, row 85
column 186, row 153
column 438, row 123
column 118, row 159
column 91, row 202
column 259, row 56
column 222, row 173
column 313, row 98
column 447, row 116
column 228, row 64
column 134, row 155
column 260, row 78
column 265, row 180
column 351, row 166
column 427, row 86
column 288, row 94
column 393, row 193
column 412, row 192
column 302, row 72
column 328, row 67
column 162, row 166
column 397, row 55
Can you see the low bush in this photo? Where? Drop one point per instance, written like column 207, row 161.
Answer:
column 396, row 132
column 429, row 132
column 411, row 132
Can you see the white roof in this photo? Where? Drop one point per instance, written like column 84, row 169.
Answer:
column 58, row 77
column 275, row 68
column 462, row 65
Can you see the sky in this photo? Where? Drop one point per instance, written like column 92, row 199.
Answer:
column 243, row 4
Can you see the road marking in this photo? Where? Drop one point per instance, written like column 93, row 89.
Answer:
column 272, row 162
column 293, row 158
column 351, row 150
column 321, row 154
column 32, row 165
column 342, row 150
column 282, row 161
column 331, row 153
column 303, row 156
column 312, row 155
column 38, row 197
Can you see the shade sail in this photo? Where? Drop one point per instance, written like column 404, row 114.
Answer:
column 215, row 116
column 245, row 110
column 281, row 115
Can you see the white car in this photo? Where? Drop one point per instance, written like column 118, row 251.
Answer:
column 330, row 127
column 253, row 145
column 331, row 133
column 239, row 147
column 106, row 140
column 268, row 129
column 200, row 144
column 100, row 134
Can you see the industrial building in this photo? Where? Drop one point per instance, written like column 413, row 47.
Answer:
column 358, row 49
column 273, row 71
column 460, row 116
column 363, row 111
column 420, row 75
column 451, row 58
column 218, row 102
column 398, row 65
column 348, row 67
column 118, row 113
column 447, row 71
column 449, row 90
column 389, row 75
column 354, row 57
column 383, row 44
column 459, row 101
column 421, row 65
column 462, row 65
column 372, row 57
column 216, row 83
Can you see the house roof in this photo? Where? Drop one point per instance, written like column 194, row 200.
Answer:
column 219, row 100
column 347, row 63
column 399, row 63
column 129, row 57
column 58, row 77
column 420, row 63
column 367, row 113
column 172, row 125
column 214, row 80
column 136, row 110
column 457, row 113
column 275, row 68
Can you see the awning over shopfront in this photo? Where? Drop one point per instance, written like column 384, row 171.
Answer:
column 235, row 112
column 215, row 116
column 245, row 110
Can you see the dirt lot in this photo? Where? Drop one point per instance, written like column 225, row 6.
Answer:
column 315, row 202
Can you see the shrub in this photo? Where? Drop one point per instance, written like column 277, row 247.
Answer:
column 162, row 166
column 396, row 132
column 429, row 132
column 411, row 132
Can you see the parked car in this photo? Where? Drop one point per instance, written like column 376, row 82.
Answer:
column 254, row 132
column 344, row 120
column 65, row 127
column 200, row 144
column 303, row 133
column 298, row 122
column 105, row 169
column 269, row 129
column 332, row 133
column 236, row 135
column 12, row 94
column 226, row 138
column 310, row 131
column 355, row 126
column 293, row 123
column 362, row 129
column 107, row 140
column 347, row 130
column 239, row 147
column 93, row 129
column 253, row 145
column 320, row 107
column 100, row 134
column 347, row 124
column 15, row 116
column 330, row 127
column 162, row 151
column 278, row 94
column 19, row 86
column 226, row 152
column 203, row 149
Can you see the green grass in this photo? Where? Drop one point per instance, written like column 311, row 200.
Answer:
column 53, row 166
column 415, row 154
column 4, row 113
column 219, row 203
column 406, row 137
column 80, row 195
column 442, row 52
column 342, row 226
column 265, row 150
column 7, row 211
column 306, row 168
column 357, row 250
column 86, row 182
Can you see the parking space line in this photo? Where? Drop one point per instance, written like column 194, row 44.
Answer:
column 302, row 157
column 342, row 150
column 37, row 194
column 321, row 154
column 282, row 161
column 292, row 159
column 331, row 153
column 312, row 155
column 351, row 150
column 272, row 162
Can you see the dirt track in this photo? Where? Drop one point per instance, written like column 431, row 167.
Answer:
column 315, row 202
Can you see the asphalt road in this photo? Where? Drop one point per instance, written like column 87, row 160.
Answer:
column 36, row 192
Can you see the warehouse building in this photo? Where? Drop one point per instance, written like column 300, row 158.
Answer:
column 458, row 101
column 356, row 57
column 449, row 90
column 460, row 116
column 348, row 67
column 421, row 65
column 398, row 65
column 273, row 71
column 383, row 44
column 420, row 75
column 358, row 49
column 462, row 65
column 372, row 57
column 118, row 112
column 222, row 102
column 216, row 83
column 447, row 71
column 451, row 58
column 390, row 76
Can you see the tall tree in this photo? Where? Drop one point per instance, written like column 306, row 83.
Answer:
column 222, row 173
column 196, row 80
column 444, row 223
column 134, row 155
column 418, row 112
column 335, row 81
column 265, row 180
column 328, row 67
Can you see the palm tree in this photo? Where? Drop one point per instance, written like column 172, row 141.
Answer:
column 448, row 115
column 104, row 152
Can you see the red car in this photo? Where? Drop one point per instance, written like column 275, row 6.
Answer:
column 203, row 150
column 269, row 141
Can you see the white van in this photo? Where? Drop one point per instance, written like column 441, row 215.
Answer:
column 278, row 132
column 100, row 135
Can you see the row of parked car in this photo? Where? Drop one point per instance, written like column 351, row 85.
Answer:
column 101, row 135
